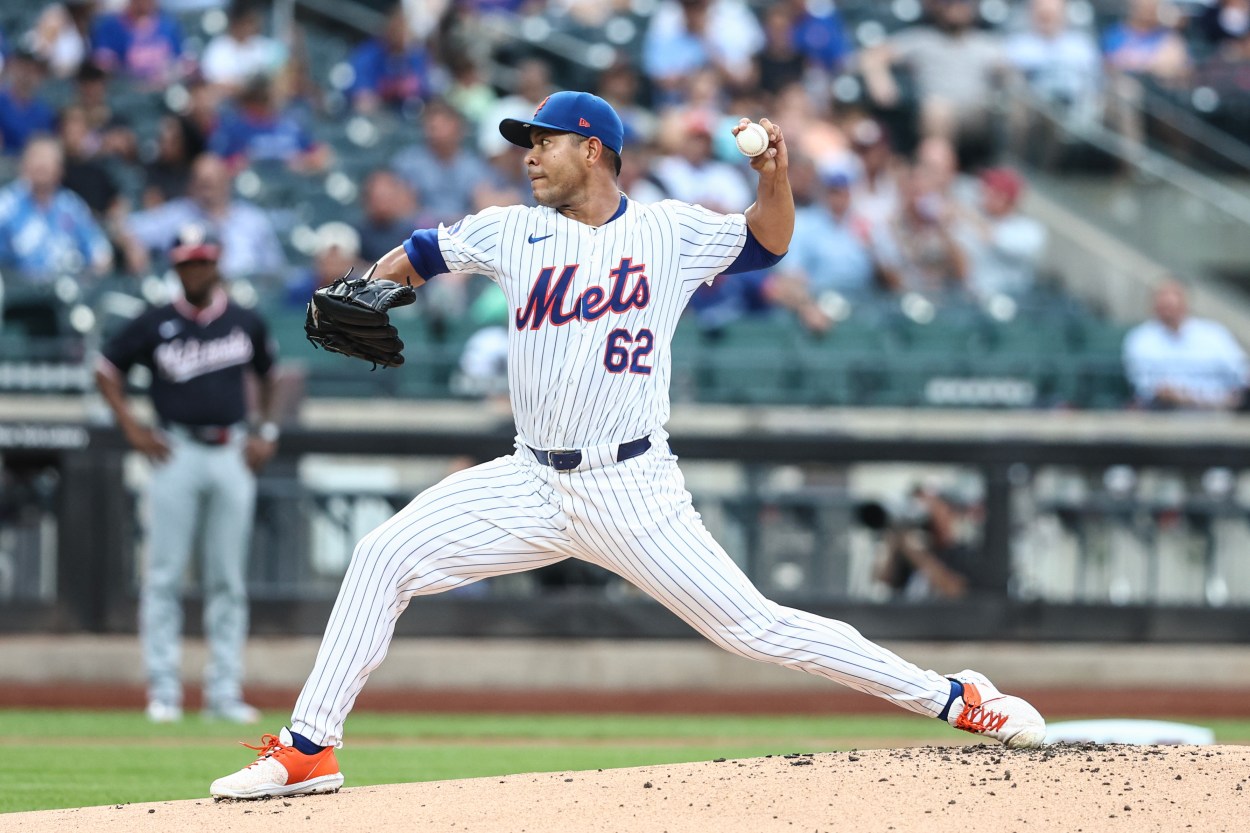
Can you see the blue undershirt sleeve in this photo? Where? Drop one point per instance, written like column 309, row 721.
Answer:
column 752, row 257
column 424, row 254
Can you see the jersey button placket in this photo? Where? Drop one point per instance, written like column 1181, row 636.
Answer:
column 585, row 329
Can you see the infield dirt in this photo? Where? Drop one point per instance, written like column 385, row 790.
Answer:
column 1080, row 788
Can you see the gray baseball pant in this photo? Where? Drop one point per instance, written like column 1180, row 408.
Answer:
column 205, row 492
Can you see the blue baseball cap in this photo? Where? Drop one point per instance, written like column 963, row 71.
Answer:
column 570, row 112
column 837, row 176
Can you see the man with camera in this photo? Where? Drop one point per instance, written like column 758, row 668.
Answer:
column 924, row 555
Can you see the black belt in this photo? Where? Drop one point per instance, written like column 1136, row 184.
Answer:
column 204, row 434
column 569, row 459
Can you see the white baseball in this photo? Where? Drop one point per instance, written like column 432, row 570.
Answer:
column 752, row 139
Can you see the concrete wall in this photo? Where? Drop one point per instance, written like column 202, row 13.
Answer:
column 592, row 665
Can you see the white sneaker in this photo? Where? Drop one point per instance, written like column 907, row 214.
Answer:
column 984, row 710
column 234, row 712
column 281, row 769
column 159, row 712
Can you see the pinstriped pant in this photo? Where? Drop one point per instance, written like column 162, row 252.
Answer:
column 634, row 518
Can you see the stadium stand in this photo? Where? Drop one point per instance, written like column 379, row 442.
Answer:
column 1044, row 349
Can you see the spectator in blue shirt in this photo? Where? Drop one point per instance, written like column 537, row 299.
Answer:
column 685, row 36
column 819, row 34
column 249, row 245
column 1177, row 361
column 444, row 172
column 831, row 251
column 390, row 70
column 727, row 299
column 142, row 42
column 1142, row 44
column 1138, row 51
column 46, row 230
column 258, row 131
column 22, row 112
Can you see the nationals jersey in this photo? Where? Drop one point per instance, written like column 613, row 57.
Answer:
column 593, row 308
column 197, row 358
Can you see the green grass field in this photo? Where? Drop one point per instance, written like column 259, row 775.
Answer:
column 54, row 759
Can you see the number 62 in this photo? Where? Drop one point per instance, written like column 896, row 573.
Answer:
column 627, row 352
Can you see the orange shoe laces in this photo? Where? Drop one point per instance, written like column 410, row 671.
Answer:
column 976, row 718
column 269, row 744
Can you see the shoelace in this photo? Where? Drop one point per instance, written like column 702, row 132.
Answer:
column 977, row 718
column 269, row 744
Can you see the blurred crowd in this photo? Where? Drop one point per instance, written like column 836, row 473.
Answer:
column 899, row 177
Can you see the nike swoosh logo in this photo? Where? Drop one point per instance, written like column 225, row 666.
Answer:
column 534, row 239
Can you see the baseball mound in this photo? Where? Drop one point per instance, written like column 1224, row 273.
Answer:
column 1068, row 788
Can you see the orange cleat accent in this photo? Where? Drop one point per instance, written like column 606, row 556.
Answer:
column 281, row 769
column 984, row 710
column 975, row 717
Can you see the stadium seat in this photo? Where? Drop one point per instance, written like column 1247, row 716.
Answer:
column 1098, row 366
column 847, row 365
column 940, row 339
column 753, row 361
column 1025, row 337
column 876, row 356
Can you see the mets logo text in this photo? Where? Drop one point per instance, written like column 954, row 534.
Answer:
column 548, row 303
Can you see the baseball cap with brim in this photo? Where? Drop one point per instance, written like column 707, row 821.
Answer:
column 190, row 254
column 840, row 180
column 194, row 243
column 836, row 175
column 569, row 112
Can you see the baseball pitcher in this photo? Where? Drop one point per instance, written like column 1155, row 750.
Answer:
column 596, row 284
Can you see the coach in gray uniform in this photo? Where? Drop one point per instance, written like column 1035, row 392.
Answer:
column 204, row 458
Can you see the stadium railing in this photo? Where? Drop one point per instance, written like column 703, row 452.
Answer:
column 1124, row 529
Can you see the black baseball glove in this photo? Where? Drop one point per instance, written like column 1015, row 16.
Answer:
column 350, row 317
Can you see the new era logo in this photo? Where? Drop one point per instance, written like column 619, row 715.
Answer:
column 583, row 123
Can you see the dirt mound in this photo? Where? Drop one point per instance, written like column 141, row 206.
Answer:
column 1067, row 787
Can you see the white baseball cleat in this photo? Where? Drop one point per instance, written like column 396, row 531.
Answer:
column 281, row 769
column 984, row 710
column 235, row 711
column 162, row 712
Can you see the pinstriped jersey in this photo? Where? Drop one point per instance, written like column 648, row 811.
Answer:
column 594, row 309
